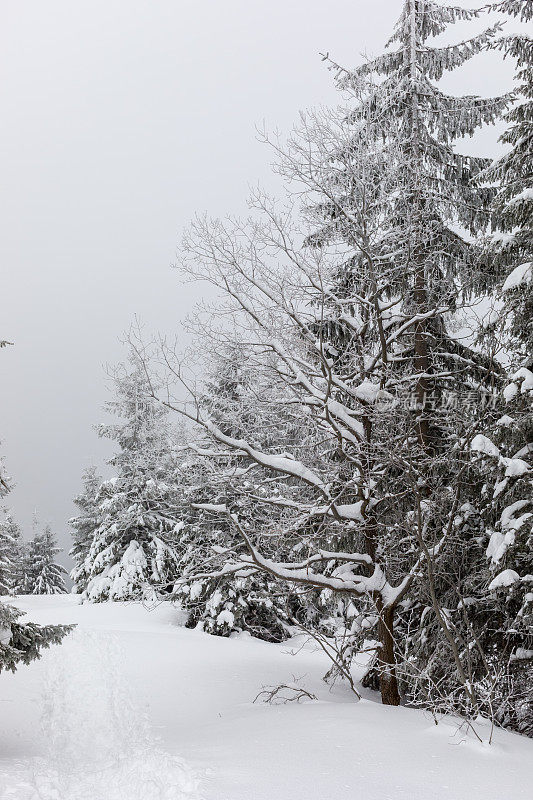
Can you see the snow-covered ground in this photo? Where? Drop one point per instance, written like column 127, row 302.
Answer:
column 135, row 707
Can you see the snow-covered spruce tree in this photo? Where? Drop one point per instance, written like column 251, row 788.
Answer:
column 426, row 266
column 427, row 257
column 10, row 555
column 28, row 572
column 21, row 643
column 440, row 203
column 505, row 448
column 505, row 597
column 6, row 563
column 43, row 574
column 512, row 245
column 222, row 604
column 217, row 603
column 132, row 547
column 83, row 527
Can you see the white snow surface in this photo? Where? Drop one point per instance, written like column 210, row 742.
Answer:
column 133, row 706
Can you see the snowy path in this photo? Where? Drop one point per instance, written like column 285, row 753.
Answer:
column 127, row 673
column 95, row 741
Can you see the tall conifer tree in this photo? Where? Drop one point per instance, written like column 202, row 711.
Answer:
column 425, row 264
column 513, row 207
column 84, row 526
column 505, row 449
column 428, row 258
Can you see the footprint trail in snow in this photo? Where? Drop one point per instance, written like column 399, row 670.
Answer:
column 98, row 744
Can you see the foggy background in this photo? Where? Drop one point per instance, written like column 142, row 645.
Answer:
column 122, row 118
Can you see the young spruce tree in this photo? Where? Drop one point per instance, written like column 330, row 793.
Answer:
column 10, row 556
column 43, row 574
column 131, row 553
column 224, row 604
column 19, row 642
column 84, row 526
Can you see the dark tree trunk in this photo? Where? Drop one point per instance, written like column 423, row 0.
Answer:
column 388, row 683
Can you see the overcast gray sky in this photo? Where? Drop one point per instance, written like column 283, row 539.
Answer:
column 122, row 118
